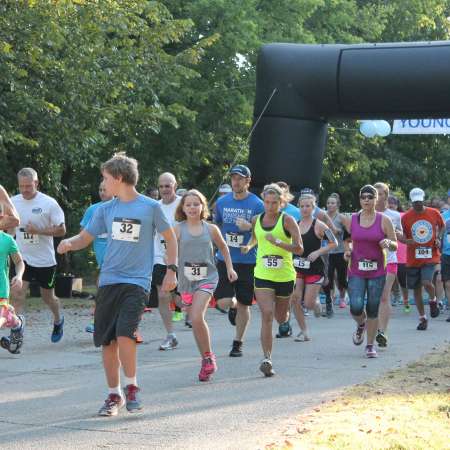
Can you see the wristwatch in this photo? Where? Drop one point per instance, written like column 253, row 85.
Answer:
column 278, row 241
column 173, row 268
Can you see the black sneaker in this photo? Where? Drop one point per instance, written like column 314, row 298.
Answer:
column 423, row 324
column 58, row 331
column 232, row 313
column 284, row 330
column 381, row 339
column 188, row 323
column 448, row 319
column 329, row 310
column 434, row 309
column 236, row 350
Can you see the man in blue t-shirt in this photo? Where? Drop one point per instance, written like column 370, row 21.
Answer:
column 130, row 220
column 445, row 256
column 100, row 241
column 233, row 214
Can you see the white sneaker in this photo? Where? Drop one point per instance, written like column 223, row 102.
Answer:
column 169, row 343
column 266, row 367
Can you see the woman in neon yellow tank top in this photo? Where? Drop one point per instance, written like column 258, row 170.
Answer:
column 278, row 237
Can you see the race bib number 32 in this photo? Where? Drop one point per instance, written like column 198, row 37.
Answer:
column 126, row 229
column 424, row 252
column 272, row 261
column 195, row 272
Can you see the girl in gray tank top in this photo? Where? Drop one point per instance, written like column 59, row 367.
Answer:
column 197, row 273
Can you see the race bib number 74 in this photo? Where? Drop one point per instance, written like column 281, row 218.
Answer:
column 124, row 229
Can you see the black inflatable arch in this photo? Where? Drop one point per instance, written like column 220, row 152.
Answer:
column 316, row 83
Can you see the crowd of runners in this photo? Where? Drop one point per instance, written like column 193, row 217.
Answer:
column 168, row 248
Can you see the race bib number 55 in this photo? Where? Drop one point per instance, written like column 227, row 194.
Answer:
column 272, row 261
column 124, row 229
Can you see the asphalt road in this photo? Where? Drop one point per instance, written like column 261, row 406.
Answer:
column 50, row 393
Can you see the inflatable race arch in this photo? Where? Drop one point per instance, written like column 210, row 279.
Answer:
column 311, row 84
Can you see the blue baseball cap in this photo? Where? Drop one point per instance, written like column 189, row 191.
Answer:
column 241, row 170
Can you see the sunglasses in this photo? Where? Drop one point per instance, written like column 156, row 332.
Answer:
column 367, row 197
column 165, row 186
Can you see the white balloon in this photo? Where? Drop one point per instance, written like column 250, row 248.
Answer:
column 368, row 128
column 383, row 128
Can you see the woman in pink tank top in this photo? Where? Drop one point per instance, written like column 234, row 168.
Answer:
column 370, row 235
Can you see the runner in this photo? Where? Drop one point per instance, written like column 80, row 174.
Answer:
column 233, row 215
column 336, row 261
column 9, row 218
column 423, row 229
column 277, row 236
column 198, row 276
column 130, row 220
column 310, row 266
column 101, row 241
column 41, row 219
column 371, row 233
column 167, row 185
column 385, row 309
column 8, row 316
column 445, row 257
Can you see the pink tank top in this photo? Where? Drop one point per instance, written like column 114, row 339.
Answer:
column 401, row 249
column 368, row 259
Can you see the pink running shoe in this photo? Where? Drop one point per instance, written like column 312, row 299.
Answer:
column 342, row 303
column 209, row 366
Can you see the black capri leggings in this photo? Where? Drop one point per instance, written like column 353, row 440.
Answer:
column 336, row 262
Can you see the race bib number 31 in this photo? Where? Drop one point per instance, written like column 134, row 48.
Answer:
column 272, row 261
column 234, row 239
column 126, row 229
column 424, row 252
column 195, row 272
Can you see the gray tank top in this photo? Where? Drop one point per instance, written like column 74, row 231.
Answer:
column 337, row 222
column 195, row 259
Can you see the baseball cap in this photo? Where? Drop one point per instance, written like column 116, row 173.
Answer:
column 225, row 188
column 241, row 170
column 417, row 195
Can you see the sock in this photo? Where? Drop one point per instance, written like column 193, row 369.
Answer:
column 18, row 324
column 115, row 390
column 423, row 317
column 434, row 300
column 171, row 335
column 59, row 321
column 129, row 381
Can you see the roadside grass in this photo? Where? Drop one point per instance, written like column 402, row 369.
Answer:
column 405, row 409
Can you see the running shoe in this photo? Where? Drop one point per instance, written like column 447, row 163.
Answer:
column 223, row 311
column 232, row 313
column 16, row 336
column 358, row 335
column 169, row 343
column 58, row 331
column 434, row 309
column 266, row 367
column 236, row 349
column 407, row 309
column 209, row 366
column 90, row 328
column 188, row 323
column 423, row 324
column 177, row 316
column 342, row 303
column 329, row 310
column 132, row 399
column 112, row 405
column 370, row 351
column 441, row 305
column 147, row 309
column 284, row 330
column 381, row 339
column 448, row 319
column 301, row 337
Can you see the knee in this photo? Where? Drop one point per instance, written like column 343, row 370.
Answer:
column 356, row 308
column 372, row 310
column 267, row 317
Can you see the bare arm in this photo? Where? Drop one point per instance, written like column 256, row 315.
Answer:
column 252, row 242
column 225, row 251
column 77, row 242
column 170, row 279
column 10, row 218
column 325, row 218
column 297, row 244
column 54, row 230
column 390, row 243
